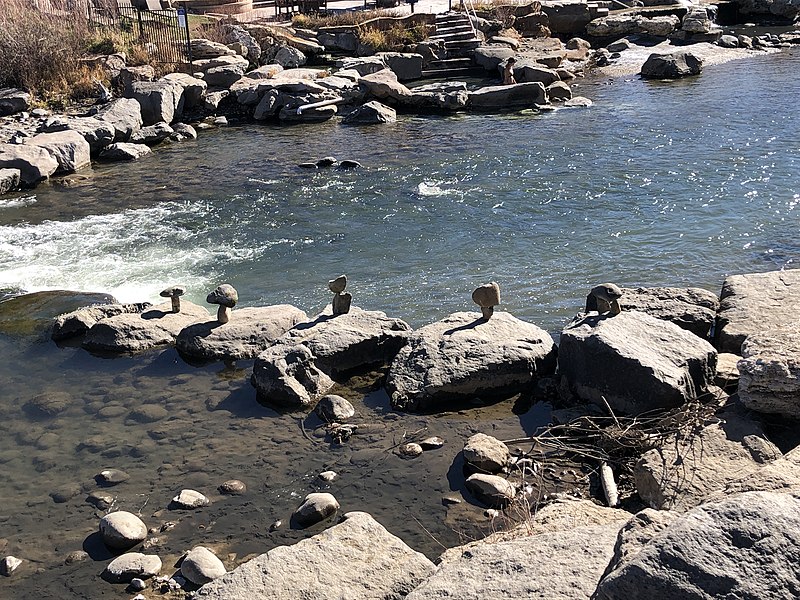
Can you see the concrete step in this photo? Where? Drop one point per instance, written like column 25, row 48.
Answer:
column 463, row 45
column 450, row 63
column 453, row 29
column 454, row 37
column 448, row 73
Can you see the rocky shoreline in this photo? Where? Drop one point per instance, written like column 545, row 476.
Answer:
column 667, row 394
column 263, row 74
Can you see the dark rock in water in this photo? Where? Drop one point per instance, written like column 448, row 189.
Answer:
column 100, row 500
column 32, row 314
column 315, row 508
column 65, row 493
column 349, row 164
column 109, row 477
column 671, row 66
column 48, row 404
column 80, row 321
column 328, row 161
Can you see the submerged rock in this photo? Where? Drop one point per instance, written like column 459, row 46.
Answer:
column 31, row 314
column 315, row 508
column 248, row 332
column 357, row 558
column 464, row 356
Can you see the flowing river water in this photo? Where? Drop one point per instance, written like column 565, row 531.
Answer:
column 658, row 183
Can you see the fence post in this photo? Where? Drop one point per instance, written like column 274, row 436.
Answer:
column 188, row 34
column 141, row 25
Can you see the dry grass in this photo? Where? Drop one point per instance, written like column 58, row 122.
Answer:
column 349, row 17
column 393, row 38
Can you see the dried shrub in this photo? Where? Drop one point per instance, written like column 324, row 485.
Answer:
column 349, row 17
column 391, row 38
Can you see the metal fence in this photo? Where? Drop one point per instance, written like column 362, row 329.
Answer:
column 164, row 33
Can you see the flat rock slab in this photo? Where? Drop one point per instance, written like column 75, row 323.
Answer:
column 357, row 558
column 693, row 309
column 31, row 314
column 464, row 356
column 157, row 326
column 566, row 565
column 79, row 321
column 769, row 372
column 518, row 95
column 635, row 362
column 685, row 470
column 746, row 546
column 756, row 303
column 249, row 332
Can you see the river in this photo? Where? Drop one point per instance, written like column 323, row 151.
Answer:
column 677, row 183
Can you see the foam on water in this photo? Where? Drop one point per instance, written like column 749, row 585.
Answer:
column 17, row 202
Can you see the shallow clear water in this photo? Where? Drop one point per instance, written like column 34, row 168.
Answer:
column 656, row 184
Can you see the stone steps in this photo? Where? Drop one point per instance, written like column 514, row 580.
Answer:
column 455, row 30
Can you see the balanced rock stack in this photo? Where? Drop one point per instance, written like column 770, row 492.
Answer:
column 487, row 296
column 341, row 299
column 226, row 297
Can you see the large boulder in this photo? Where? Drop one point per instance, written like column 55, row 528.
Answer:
column 687, row 468
column 788, row 10
column 13, row 101
column 632, row 24
column 464, row 356
column 769, row 372
column 124, row 151
column 746, row 546
column 371, row 113
column 224, row 76
column 160, row 100
column 137, row 332
column 566, row 17
column 69, row 148
column 124, row 115
column 634, row 362
column 289, row 58
column 406, row 66
column 755, row 303
column 490, row 58
column 357, row 558
column 520, row 95
column 296, row 371
column 79, row 321
column 693, row 309
column 194, row 89
column 34, row 164
column 202, row 49
column 384, row 85
column 248, row 332
column 671, row 65
column 97, row 133
column 201, row 565
column 565, row 564
column 526, row 71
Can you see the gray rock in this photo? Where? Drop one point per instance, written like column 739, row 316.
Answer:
column 559, row 91
column 756, row 303
column 124, row 151
column 249, row 332
column 224, row 76
column 486, row 453
column 296, row 371
column 9, row 180
column 264, row 72
column 69, row 148
column 366, row 65
column 686, row 469
column 492, row 490
column 619, row 46
column 369, row 564
column 13, row 101
column 153, row 134
column 728, row 41
column 129, row 74
column 693, row 309
column 80, row 321
column 122, row 530
column 201, row 565
column 154, row 327
column 97, row 133
column 384, row 85
column 406, row 66
column 745, row 546
column 109, row 477
column 699, row 21
column 202, row 48
column 124, row 115
column 334, row 409
column 490, row 58
column 289, row 112
column 628, row 24
column 290, row 58
column 463, row 356
column 34, row 164
column 371, row 113
column 194, row 89
column 672, row 65
column 183, row 131
column 125, row 568
column 528, row 71
column 48, row 404
column 346, row 41
column 232, row 487
column 786, row 9
column 190, row 499
column 527, row 567
column 636, row 362
column 315, row 507
column 727, row 376
column 160, row 101
column 520, row 95
column 769, row 372
column 239, row 35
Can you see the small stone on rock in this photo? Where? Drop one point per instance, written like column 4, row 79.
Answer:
column 338, row 285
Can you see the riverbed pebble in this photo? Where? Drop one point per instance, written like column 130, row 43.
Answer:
column 65, row 493
column 122, row 530
column 334, row 409
column 486, row 453
column 100, row 500
column 190, row 499
column 328, row 476
column 410, row 450
column 8, row 565
column 111, row 477
column 48, row 405
column 316, row 507
column 491, row 489
column 432, row 443
column 201, row 565
column 132, row 564
column 76, row 556
column 137, row 584
column 232, row 487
